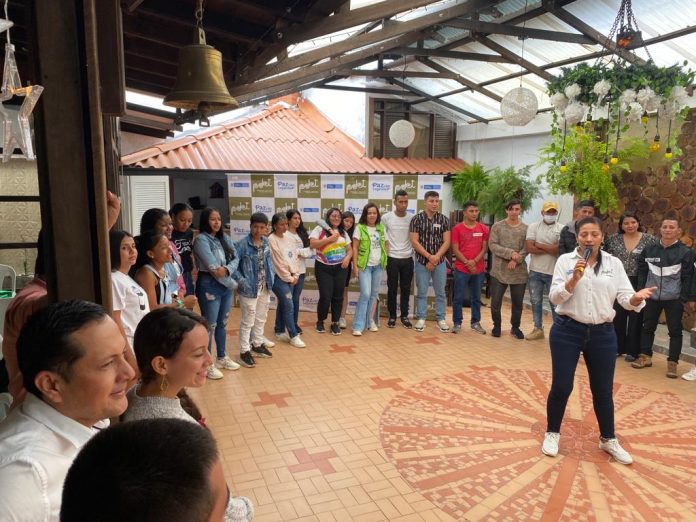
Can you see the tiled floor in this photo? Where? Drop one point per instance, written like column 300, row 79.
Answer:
column 400, row 425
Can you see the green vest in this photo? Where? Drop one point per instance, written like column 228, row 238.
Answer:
column 365, row 245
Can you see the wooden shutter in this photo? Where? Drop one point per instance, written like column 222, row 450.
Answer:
column 443, row 137
column 390, row 151
column 146, row 192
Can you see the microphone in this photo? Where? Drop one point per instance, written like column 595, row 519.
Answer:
column 323, row 224
column 586, row 255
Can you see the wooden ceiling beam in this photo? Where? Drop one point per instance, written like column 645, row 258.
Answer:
column 590, row 31
column 368, row 90
column 461, row 79
column 503, row 51
column 417, row 24
column 371, row 73
column 443, row 103
column 283, row 90
column 342, row 61
column 514, row 30
column 456, row 55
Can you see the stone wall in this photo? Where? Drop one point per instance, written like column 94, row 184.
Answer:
column 653, row 196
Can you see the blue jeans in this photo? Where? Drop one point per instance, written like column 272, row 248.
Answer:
column 215, row 301
column 285, row 313
column 462, row 282
column 598, row 346
column 538, row 285
column 280, row 321
column 369, row 290
column 423, row 278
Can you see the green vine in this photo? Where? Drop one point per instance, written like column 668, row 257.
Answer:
column 507, row 184
column 468, row 183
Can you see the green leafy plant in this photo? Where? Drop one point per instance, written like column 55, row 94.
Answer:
column 504, row 185
column 468, row 183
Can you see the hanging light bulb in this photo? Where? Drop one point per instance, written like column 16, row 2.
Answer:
column 644, row 118
column 655, row 145
column 668, row 153
column 563, row 167
column 614, row 158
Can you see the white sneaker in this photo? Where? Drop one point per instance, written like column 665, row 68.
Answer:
column 373, row 327
column 282, row 337
column 297, row 342
column 690, row 375
column 357, row 333
column 226, row 363
column 550, row 445
column 613, row 448
column 342, row 323
column 420, row 325
column 213, row 373
column 267, row 342
column 443, row 326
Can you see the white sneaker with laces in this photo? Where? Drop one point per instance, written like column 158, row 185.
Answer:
column 342, row 323
column 213, row 373
column 267, row 342
column 550, row 445
column 297, row 342
column 613, row 448
column 373, row 327
column 357, row 333
column 690, row 375
column 282, row 337
column 420, row 325
column 226, row 363
column 443, row 326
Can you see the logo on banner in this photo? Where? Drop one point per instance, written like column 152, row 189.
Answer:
column 240, row 184
column 431, row 186
column 240, row 208
column 240, row 231
column 326, row 204
column 310, row 301
column 355, row 209
column 407, row 183
column 262, row 186
column 260, row 207
column 356, row 186
column 384, row 206
column 283, row 205
column 308, row 186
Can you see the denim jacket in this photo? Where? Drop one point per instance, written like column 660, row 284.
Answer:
column 248, row 270
column 210, row 255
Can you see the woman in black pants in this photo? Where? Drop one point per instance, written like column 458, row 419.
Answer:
column 627, row 244
column 584, row 294
column 333, row 255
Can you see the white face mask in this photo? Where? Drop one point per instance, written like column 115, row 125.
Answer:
column 550, row 219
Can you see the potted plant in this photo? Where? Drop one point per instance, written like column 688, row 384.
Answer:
column 468, row 183
column 504, row 185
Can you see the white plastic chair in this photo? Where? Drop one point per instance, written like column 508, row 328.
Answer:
column 5, row 272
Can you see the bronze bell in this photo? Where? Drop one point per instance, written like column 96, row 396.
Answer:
column 200, row 84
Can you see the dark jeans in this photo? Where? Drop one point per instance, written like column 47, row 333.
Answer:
column 516, row 297
column 598, row 346
column 651, row 314
column 296, row 292
column 466, row 285
column 285, row 312
column 188, row 281
column 331, row 280
column 399, row 276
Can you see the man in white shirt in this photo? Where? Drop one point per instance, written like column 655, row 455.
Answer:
column 72, row 359
column 400, row 260
column 542, row 243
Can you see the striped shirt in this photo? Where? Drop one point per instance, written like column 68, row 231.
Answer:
column 430, row 233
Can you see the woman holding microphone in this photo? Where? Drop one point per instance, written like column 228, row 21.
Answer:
column 585, row 284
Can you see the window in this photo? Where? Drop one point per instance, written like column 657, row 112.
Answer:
column 435, row 135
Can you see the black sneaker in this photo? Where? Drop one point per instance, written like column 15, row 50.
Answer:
column 247, row 360
column 516, row 333
column 261, row 351
column 320, row 327
column 406, row 323
column 335, row 329
column 496, row 331
column 391, row 323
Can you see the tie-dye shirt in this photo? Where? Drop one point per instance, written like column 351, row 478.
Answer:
column 333, row 253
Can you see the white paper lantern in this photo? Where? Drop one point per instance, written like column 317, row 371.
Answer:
column 402, row 133
column 519, row 106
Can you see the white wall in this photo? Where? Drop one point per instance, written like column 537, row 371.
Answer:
column 182, row 189
column 499, row 145
column 347, row 110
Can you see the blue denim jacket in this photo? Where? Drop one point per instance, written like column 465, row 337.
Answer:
column 210, row 255
column 248, row 271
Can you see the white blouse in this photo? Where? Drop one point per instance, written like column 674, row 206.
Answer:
column 592, row 301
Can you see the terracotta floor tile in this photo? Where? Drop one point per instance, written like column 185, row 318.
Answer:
column 371, row 429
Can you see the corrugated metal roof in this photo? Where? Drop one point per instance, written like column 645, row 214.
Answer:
column 279, row 139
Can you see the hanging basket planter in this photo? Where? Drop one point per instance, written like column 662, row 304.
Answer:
column 601, row 124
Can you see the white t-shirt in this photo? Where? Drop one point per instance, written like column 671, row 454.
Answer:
column 396, row 230
column 302, row 251
column 375, row 247
column 131, row 300
column 547, row 234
